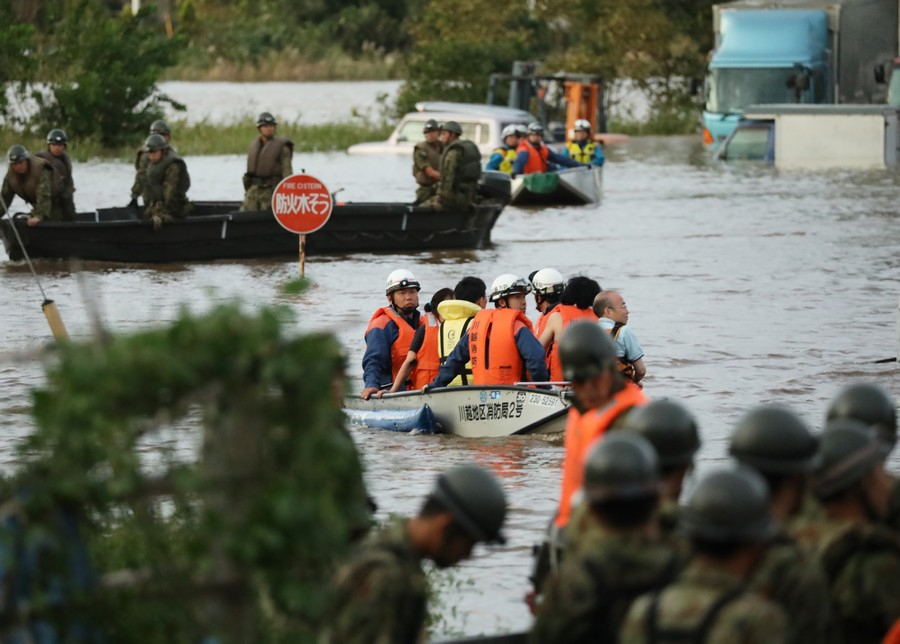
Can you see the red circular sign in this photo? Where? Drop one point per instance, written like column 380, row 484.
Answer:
column 301, row 203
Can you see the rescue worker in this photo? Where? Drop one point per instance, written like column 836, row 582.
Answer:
column 870, row 404
column 533, row 154
column 547, row 285
column 610, row 307
column 502, row 157
column 63, row 185
column 268, row 162
column 773, row 441
column 390, row 332
column 470, row 296
column 672, row 431
column 621, row 554
column 380, row 595
column 499, row 342
column 860, row 555
column 460, row 171
column 581, row 148
column 166, row 182
column 31, row 179
column 422, row 359
column 141, row 161
column 427, row 162
column 576, row 303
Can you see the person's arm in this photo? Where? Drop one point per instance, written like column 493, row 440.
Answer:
column 519, row 163
column 552, row 329
column 640, row 370
column 532, row 354
column 7, row 192
column 287, row 156
column 559, row 159
column 454, row 364
column 448, row 171
column 634, row 353
column 599, row 158
column 409, row 364
column 494, row 162
column 172, row 198
column 44, row 198
column 377, row 359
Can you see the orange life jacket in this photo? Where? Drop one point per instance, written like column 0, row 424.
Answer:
column 580, row 437
column 893, row 636
column 428, row 361
column 537, row 159
column 570, row 313
column 404, row 339
column 492, row 346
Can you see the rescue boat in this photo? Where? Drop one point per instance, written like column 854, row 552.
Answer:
column 571, row 186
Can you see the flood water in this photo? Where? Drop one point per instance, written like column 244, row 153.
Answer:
column 745, row 286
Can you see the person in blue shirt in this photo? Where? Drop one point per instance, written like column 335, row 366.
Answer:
column 503, row 156
column 533, row 155
column 582, row 149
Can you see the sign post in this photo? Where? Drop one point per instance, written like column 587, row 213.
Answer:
column 302, row 204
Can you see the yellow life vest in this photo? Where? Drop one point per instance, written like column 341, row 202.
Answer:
column 509, row 156
column 582, row 155
column 456, row 315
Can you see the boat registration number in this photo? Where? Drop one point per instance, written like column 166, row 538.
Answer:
column 546, row 401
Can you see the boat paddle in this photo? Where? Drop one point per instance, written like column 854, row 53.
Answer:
column 48, row 306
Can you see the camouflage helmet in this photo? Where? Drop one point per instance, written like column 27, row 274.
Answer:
column 729, row 505
column 621, row 466
column 773, row 440
column 585, row 351
column 430, row 126
column 871, row 405
column 17, row 153
column 266, row 118
column 850, row 450
column 451, row 126
column 57, row 136
column 154, row 143
column 475, row 499
column 160, row 127
column 670, row 428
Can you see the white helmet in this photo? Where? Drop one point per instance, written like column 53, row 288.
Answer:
column 508, row 284
column 400, row 279
column 583, row 124
column 548, row 281
column 509, row 130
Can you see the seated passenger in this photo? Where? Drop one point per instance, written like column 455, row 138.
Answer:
column 576, row 303
column 533, row 154
column 166, row 182
column 422, row 358
column 502, row 158
column 582, row 149
column 457, row 314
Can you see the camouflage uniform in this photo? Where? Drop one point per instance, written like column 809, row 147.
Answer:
column 380, row 594
column 141, row 161
column 742, row 617
column 796, row 581
column 460, row 171
column 426, row 154
column 862, row 563
column 587, row 599
column 63, row 184
column 165, row 189
column 893, row 517
column 258, row 189
column 40, row 174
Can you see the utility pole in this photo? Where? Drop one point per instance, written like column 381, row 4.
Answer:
column 135, row 7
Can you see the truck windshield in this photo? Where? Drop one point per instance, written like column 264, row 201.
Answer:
column 731, row 90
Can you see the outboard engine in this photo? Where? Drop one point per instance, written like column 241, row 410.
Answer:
column 495, row 186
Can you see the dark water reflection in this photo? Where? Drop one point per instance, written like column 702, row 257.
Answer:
column 745, row 286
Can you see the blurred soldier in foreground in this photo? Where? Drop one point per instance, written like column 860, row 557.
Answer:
column 460, row 171
column 381, row 593
column 728, row 521
column 427, row 162
column 268, row 162
column 777, row 444
column 63, row 185
column 141, row 161
column 620, row 555
column 166, row 183
column 31, row 179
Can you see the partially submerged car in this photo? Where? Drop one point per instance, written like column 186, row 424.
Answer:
column 750, row 140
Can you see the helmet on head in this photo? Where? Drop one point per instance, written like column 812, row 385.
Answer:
column 160, row 127
column 871, row 405
column 155, row 142
column 521, row 129
column 265, row 118
column 475, row 499
column 17, row 153
column 401, row 279
column 508, row 284
column 509, row 130
column 451, row 126
column 850, row 450
column 548, row 281
column 430, row 126
column 585, row 351
column 729, row 505
column 582, row 125
column 670, row 428
column 621, row 466
column 536, row 128
column 773, row 440
column 57, row 136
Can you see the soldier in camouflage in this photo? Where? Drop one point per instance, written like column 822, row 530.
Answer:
column 380, row 595
column 141, row 161
column 30, row 178
column 460, row 171
column 268, row 162
column 166, row 182
column 427, row 162
column 861, row 557
column 727, row 520
column 621, row 554
column 773, row 441
column 63, row 185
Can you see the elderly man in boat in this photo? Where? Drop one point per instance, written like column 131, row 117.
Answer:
column 533, row 155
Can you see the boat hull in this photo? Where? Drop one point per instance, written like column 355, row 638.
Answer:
column 216, row 230
column 574, row 186
column 478, row 412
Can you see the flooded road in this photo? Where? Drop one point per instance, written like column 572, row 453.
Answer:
column 744, row 285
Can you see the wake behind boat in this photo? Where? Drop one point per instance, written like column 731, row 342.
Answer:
column 470, row 411
column 571, row 186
